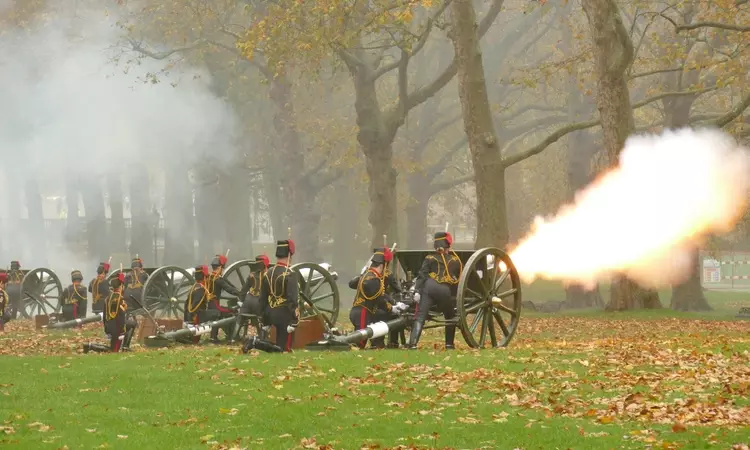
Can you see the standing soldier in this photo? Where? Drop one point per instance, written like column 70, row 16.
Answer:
column 215, row 284
column 4, row 301
column 372, row 303
column 197, row 300
column 279, row 296
column 15, row 278
column 116, row 324
column 74, row 298
column 250, row 296
column 134, row 282
column 99, row 288
column 437, row 283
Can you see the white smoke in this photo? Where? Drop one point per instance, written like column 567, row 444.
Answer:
column 644, row 217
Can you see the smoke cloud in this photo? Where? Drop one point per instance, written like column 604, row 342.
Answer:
column 69, row 111
column 643, row 218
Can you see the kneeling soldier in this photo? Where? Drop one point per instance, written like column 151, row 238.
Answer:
column 119, row 327
column 13, row 289
column 215, row 284
column 196, row 304
column 437, row 283
column 279, row 296
column 4, row 301
column 372, row 304
column 250, row 297
column 74, row 298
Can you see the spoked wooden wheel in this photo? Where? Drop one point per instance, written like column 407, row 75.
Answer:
column 166, row 291
column 318, row 292
column 237, row 274
column 489, row 299
column 40, row 293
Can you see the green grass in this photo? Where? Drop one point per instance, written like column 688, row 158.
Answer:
column 586, row 380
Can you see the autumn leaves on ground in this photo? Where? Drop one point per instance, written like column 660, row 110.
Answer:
column 587, row 381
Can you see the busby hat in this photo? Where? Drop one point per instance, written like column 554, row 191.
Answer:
column 284, row 249
column 117, row 281
column 443, row 239
column 3, row 277
column 219, row 260
column 76, row 275
column 137, row 262
column 264, row 259
column 382, row 255
column 15, row 265
column 201, row 272
column 103, row 268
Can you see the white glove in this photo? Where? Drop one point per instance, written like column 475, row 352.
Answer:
column 290, row 329
column 266, row 328
column 417, row 297
column 239, row 304
column 400, row 307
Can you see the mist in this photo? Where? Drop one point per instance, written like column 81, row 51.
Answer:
column 69, row 111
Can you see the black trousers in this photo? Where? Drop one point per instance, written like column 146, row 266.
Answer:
column 280, row 318
column 361, row 317
column 443, row 297
column 115, row 328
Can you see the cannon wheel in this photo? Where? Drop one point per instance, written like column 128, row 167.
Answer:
column 314, row 294
column 489, row 299
column 166, row 291
column 237, row 274
column 40, row 293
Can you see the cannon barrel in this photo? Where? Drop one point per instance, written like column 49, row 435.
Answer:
column 162, row 339
column 75, row 322
column 374, row 330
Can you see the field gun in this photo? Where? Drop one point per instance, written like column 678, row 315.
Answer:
column 166, row 339
column 75, row 322
column 37, row 293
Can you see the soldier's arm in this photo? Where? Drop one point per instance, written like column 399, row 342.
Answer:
column 91, row 286
column 354, row 282
column 226, row 285
column 64, row 296
column 292, row 289
column 423, row 274
column 393, row 283
column 264, row 294
column 246, row 286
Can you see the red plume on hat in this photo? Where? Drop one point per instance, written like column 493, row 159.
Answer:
column 264, row 259
column 121, row 277
column 448, row 238
column 291, row 246
column 3, row 277
column 106, row 267
column 204, row 269
column 387, row 255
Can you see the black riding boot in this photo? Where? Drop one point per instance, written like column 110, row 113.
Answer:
column 416, row 332
column 450, row 335
column 393, row 339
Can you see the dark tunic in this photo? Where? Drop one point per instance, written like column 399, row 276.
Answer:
column 114, row 318
column 134, row 281
column 279, row 300
column 99, row 288
column 74, row 299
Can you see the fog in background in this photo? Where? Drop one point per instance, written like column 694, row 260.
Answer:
column 73, row 120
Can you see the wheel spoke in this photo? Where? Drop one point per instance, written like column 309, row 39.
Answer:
column 317, row 299
column 477, row 318
column 483, row 333
column 493, row 336
column 501, row 322
column 473, row 307
column 500, row 282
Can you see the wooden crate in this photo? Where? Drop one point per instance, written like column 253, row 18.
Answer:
column 309, row 330
column 146, row 327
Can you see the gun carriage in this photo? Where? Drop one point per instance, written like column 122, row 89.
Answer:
column 488, row 300
column 38, row 292
column 165, row 291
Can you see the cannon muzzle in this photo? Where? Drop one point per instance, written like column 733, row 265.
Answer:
column 166, row 339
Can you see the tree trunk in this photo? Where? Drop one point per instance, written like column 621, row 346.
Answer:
column 613, row 53
column 492, row 227
column 296, row 189
column 688, row 296
column 35, row 228
column 179, row 229
column 344, row 243
column 12, row 229
column 235, row 197
column 141, row 221
column 117, row 220
column 96, row 221
column 416, row 211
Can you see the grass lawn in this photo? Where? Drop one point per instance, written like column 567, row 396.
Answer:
column 584, row 380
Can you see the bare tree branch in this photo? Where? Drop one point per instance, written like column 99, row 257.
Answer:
column 663, row 95
column 442, row 163
column 721, row 26
column 445, row 185
column 138, row 47
column 654, row 72
column 528, row 108
column 733, row 114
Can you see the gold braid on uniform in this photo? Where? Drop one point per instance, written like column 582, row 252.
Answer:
column 74, row 294
column 276, row 300
column 135, row 275
column 16, row 276
column 111, row 314
column 446, row 278
column 192, row 309
column 362, row 299
column 254, row 289
column 95, row 288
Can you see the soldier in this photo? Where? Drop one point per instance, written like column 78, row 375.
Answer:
column 74, row 298
column 4, row 301
column 250, row 296
column 99, row 288
column 134, row 282
column 116, row 324
column 197, row 301
column 15, row 278
column 279, row 296
column 215, row 284
column 437, row 283
column 372, row 303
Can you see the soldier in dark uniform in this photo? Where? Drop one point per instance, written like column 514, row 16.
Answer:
column 216, row 284
column 197, row 301
column 99, row 288
column 4, row 301
column 250, row 296
column 74, row 298
column 134, row 282
column 13, row 289
column 279, row 296
column 437, row 284
column 372, row 303
column 116, row 323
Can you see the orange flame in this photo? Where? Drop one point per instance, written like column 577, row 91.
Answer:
column 642, row 218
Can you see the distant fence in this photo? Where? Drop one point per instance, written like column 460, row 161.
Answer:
column 726, row 270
